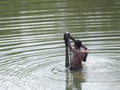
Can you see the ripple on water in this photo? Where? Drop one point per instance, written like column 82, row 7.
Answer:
column 32, row 47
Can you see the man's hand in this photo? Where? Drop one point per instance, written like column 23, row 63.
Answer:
column 67, row 32
column 68, row 35
column 66, row 38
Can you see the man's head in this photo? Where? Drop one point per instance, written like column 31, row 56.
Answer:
column 78, row 43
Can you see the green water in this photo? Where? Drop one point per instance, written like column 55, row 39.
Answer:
column 32, row 51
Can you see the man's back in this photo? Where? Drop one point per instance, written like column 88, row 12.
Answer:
column 77, row 58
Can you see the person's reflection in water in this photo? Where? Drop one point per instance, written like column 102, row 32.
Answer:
column 74, row 79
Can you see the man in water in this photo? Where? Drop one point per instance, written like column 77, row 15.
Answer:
column 78, row 54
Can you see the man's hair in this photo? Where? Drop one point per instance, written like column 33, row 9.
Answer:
column 77, row 43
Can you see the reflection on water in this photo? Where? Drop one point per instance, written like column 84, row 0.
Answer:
column 32, row 50
column 74, row 79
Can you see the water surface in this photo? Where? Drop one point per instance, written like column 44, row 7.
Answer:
column 32, row 51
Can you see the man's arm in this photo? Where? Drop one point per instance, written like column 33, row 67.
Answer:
column 72, row 48
column 69, row 36
column 72, row 38
column 84, row 47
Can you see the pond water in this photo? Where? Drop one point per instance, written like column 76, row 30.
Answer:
column 32, row 50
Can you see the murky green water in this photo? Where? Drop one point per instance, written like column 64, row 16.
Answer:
column 32, row 51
